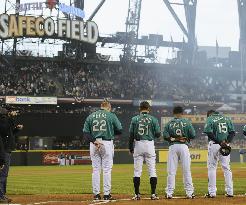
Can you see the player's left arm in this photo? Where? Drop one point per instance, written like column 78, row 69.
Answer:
column 208, row 129
column 231, row 130
column 87, row 131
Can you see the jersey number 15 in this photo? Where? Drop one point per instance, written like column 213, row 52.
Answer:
column 222, row 127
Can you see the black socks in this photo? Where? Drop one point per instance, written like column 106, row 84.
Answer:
column 153, row 182
column 136, row 182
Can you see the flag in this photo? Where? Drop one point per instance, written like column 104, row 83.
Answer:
column 217, row 49
column 172, row 43
column 183, row 43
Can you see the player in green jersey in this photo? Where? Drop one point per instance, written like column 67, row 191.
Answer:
column 144, row 129
column 178, row 133
column 100, row 128
column 219, row 129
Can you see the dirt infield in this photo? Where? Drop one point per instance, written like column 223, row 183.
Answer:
column 85, row 199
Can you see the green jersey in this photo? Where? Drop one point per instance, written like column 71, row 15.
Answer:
column 144, row 127
column 219, row 125
column 179, row 127
column 102, row 124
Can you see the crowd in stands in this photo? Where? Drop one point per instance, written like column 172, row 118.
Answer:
column 198, row 143
column 111, row 80
column 108, row 80
column 68, row 145
column 27, row 79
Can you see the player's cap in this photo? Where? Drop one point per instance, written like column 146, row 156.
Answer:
column 178, row 110
column 210, row 112
column 106, row 105
column 144, row 105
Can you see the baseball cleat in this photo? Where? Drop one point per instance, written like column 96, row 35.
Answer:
column 136, row 197
column 229, row 195
column 169, row 196
column 97, row 197
column 154, row 197
column 5, row 200
column 192, row 196
column 209, row 196
column 108, row 197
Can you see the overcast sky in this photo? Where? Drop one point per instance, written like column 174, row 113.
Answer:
column 216, row 19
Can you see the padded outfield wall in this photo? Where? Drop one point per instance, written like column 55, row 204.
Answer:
column 51, row 157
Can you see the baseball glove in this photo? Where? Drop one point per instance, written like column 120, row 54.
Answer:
column 178, row 139
column 225, row 149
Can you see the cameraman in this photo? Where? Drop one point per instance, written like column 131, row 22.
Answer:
column 8, row 130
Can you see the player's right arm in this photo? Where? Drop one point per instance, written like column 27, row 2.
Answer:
column 131, row 136
column 157, row 129
column 231, row 130
column 117, row 125
column 191, row 131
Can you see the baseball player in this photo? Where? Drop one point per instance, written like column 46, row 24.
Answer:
column 220, row 130
column 178, row 133
column 100, row 128
column 144, row 129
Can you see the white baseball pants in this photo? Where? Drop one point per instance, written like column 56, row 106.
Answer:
column 144, row 150
column 213, row 157
column 179, row 152
column 102, row 159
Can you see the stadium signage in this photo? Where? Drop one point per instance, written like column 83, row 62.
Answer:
column 195, row 155
column 72, row 10
column 51, row 4
column 28, row 6
column 20, row 26
column 201, row 119
column 22, row 100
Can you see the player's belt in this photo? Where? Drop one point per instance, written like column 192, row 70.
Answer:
column 142, row 140
column 213, row 142
column 103, row 138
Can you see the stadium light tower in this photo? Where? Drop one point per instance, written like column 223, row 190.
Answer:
column 133, row 21
column 189, row 30
column 132, row 28
column 242, row 44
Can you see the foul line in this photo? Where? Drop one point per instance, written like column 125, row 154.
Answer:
column 112, row 201
column 102, row 202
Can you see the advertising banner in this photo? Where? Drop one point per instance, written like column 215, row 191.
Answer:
column 200, row 119
column 66, row 157
column 72, row 10
column 195, row 155
column 21, row 100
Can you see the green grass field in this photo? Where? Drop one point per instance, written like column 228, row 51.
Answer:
column 77, row 179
